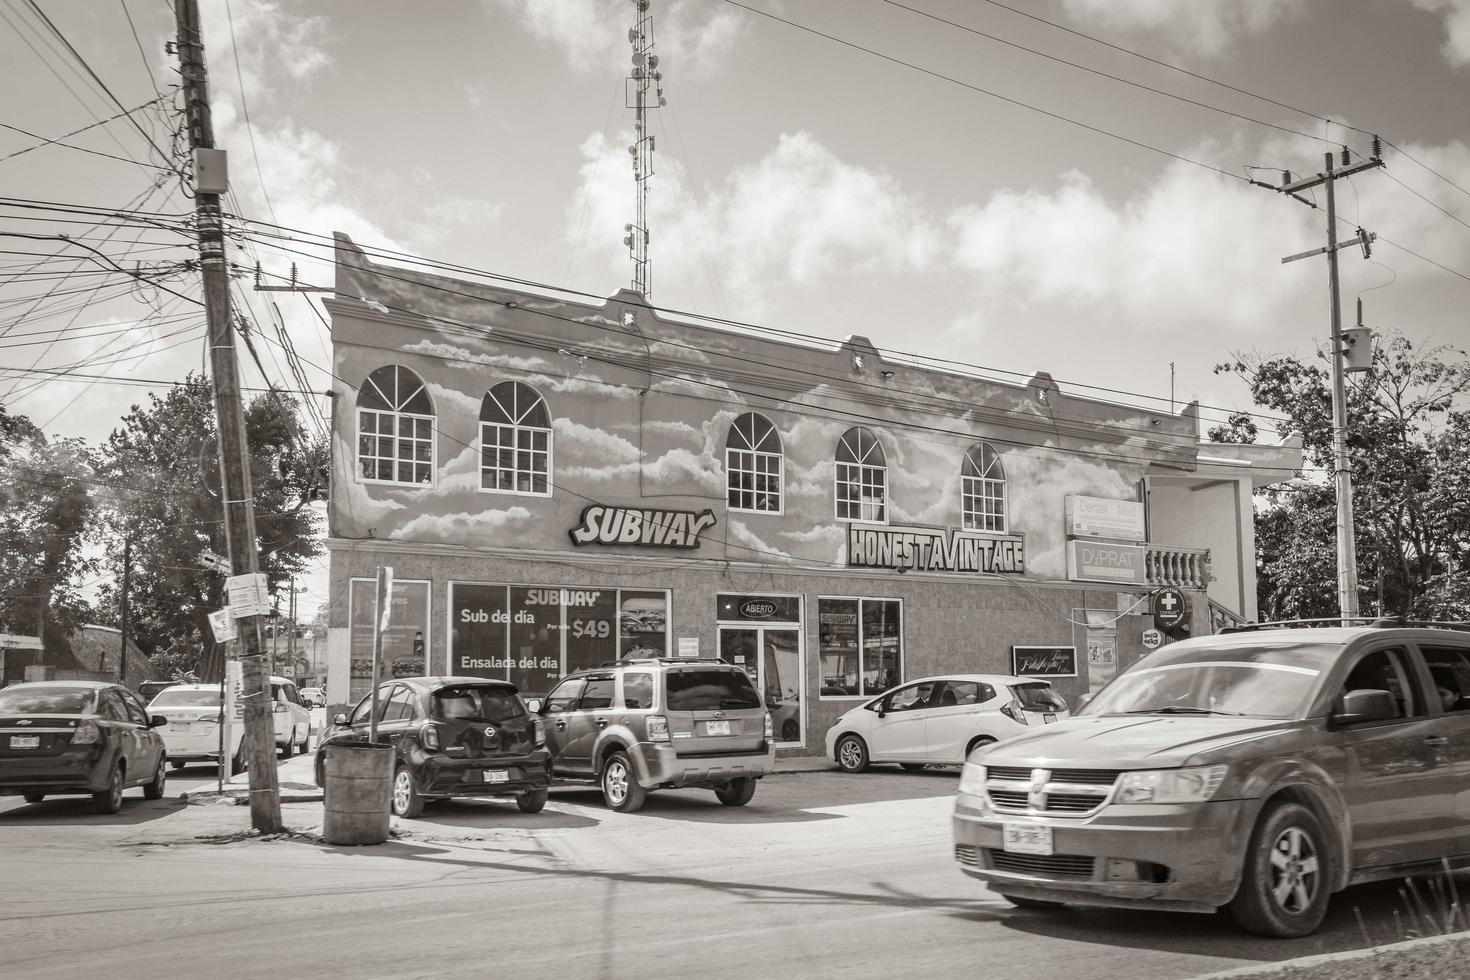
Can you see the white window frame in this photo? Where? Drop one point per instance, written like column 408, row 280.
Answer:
column 903, row 623
column 395, row 414
column 731, row 469
column 857, row 474
column 975, row 488
column 515, row 429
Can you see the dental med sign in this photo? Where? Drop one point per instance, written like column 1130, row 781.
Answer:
column 1103, row 517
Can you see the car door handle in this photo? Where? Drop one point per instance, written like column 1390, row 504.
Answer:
column 1437, row 741
column 601, row 723
column 561, row 726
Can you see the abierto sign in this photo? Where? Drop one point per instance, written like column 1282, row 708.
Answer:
column 1104, row 517
column 1099, row 561
column 601, row 524
column 923, row 549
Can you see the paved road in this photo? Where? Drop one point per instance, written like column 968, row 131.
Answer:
column 823, row 875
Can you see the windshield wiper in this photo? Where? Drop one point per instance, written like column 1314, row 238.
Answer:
column 1182, row 709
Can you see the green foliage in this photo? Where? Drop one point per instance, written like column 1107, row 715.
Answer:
column 1409, row 451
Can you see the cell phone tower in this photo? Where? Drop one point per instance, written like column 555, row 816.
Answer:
column 645, row 78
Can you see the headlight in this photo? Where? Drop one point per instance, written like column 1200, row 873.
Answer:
column 972, row 779
column 1193, row 785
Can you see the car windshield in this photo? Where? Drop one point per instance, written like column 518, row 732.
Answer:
column 47, row 701
column 707, row 689
column 187, row 699
column 1039, row 697
column 1268, row 681
column 477, row 702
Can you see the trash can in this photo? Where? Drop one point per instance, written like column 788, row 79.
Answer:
column 358, row 792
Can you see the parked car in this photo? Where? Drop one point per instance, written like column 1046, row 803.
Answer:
column 455, row 737
column 941, row 720
column 62, row 738
column 313, row 697
column 195, row 715
column 292, row 718
column 652, row 723
column 1260, row 771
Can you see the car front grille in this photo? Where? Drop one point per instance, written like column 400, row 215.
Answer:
column 1060, row 792
column 1043, row 866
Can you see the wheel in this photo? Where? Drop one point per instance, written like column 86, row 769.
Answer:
column 737, row 792
column 290, row 747
column 979, row 742
column 911, row 766
column 620, row 789
column 790, row 731
column 1032, row 903
column 238, row 763
column 532, row 802
column 153, row 789
column 34, row 797
column 407, row 802
column 177, row 763
column 109, row 800
column 1286, row 882
column 852, row 754
column 305, row 745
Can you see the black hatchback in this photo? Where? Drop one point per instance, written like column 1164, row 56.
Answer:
column 456, row 737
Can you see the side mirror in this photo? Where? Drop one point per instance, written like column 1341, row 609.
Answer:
column 533, row 705
column 1356, row 707
column 339, row 719
column 157, row 721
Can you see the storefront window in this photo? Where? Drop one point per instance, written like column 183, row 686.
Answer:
column 404, row 641
column 531, row 635
column 860, row 645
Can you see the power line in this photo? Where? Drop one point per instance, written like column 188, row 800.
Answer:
column 245, row 107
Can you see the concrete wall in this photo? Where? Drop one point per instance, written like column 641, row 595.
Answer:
column 1198, row 512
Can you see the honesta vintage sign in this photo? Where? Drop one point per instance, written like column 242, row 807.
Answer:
column 924, row 549
column 644, row 528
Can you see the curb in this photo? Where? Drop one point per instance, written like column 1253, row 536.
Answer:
column 1402, row 959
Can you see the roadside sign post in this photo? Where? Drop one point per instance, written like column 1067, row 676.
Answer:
column 383, row 611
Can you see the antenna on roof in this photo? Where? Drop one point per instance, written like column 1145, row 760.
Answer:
column 645, row 76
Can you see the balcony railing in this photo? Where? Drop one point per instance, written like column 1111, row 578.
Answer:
column 1184, row 568
column 1220, row 617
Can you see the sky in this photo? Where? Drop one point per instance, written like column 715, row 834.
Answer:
column 908, row 172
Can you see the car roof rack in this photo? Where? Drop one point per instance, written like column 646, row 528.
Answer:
column 1378, row 622
column 630, row 661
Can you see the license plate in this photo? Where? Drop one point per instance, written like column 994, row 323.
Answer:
column 1026, row 839
column 25, row 741
column 1049, row 717
column 717, row 728
column 497, row 775
column 179, row 726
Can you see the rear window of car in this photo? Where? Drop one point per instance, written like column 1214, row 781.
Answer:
column 48, row 701
column 1039, row 697
column 476, row 703
column 186, row 699
column 709, row 688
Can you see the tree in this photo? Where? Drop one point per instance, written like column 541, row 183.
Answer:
column 46, row 503
column 167, row 454
column 1409, row 451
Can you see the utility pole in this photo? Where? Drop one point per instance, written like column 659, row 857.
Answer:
column 1347, row 555
column 260, row 741
column 291, row 633
column 127, row 569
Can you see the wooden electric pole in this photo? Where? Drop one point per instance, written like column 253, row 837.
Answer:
column 127, row 570
column 1347, row 554
column 260, row 739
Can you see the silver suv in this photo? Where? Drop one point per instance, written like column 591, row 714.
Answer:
column 646, row 724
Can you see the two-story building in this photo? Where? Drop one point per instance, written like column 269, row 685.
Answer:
column 558, row 483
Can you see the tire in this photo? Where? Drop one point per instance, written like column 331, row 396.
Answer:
column 177, row 763
column 289, row 749
column 154, row 788
column 238, row 764
column 978, row 742
column 34, row 797
column 911, row 766
column 532, row 802
column 109, row 800
column 790, row 731
column 851, row 754
column 620, row 789
column 407, row 803
column 305, row 745
column 1287, row 878
column 737, row 792
column 1035, row 904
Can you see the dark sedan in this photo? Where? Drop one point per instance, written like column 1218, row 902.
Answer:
column 63, row 738
column 456, row 737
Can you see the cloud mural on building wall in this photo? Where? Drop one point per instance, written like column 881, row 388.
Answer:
column 462, row 527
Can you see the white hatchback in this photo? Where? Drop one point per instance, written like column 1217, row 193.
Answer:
column 941, row 720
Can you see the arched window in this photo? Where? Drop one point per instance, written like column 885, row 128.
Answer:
column 515, row 441
column 753, row 465
column 861, row 483
column 395, row 428
column 983, row 490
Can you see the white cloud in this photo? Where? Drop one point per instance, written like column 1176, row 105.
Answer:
column 1457, row 28
column 593, row 34
column 461, row 527
column 1203, row 26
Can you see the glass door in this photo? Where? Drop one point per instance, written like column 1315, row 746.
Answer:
column 772, row 657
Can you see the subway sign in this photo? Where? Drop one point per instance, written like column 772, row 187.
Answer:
column 922, row 549
column 641, row 528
